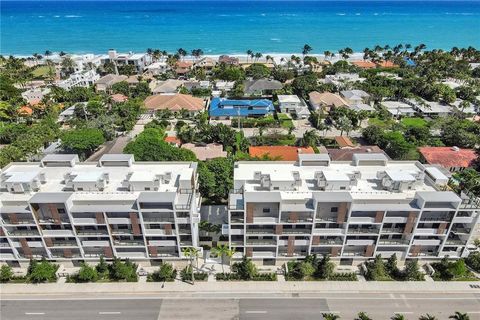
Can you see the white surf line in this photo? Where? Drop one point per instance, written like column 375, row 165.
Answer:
column 34, row 313
column 256, row 311
column 109, row 312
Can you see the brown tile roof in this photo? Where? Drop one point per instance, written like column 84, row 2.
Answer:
column 25, row 111
column 364, row 64
column 118, row 97
column 208, row 151
column 327, row 99
column 347, row 153
column 284, row 153
column 387, row 64
column 448, row 156
column 344, row 142
column 173, row 140
column 174, row 102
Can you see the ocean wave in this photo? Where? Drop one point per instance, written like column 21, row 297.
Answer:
column 275, row 39
column 375, row 14
column 263, row 14
column 341, row 14
column 56, row 16
column 460, row 13
column 358, row 14
column 41, row 16
column 72, row 16
column 223, row 15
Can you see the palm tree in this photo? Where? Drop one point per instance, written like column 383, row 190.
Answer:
column 182, row 52
column 268, row 58
column 191, row 253
column 310, row 139
column 398, row 316
column 330, row 316
column 249, row 53
column 222, row 251
column 47, row 53
column 363, row 316
column 427, row 317
column 258, row 55
column 459, row 316
column 62, row 53
column 327, row 54
column 306, row 49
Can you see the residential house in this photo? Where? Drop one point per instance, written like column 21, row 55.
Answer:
column 398, row 108
column 261, row 87
column 158, row 68
column 430, row 108
column 119, row 98
column 183, row 67
column 205, row 63
column 35, row 95
column 344, row 142
column 339, row 79
column 355, row 96
column 139, row 60
column 346, row 154
column 326, row 101
column 84, row 78
column 294, row 105
column 105, row 83
column 451, row 158
column 471, row 110
column 167, row 86
column 228, row 60
column 221, row 108
column 174, row 102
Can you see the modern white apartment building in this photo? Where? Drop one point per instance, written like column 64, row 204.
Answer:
column 350, row 210
column 139, row 60
column 68, row 211
column 84, row 78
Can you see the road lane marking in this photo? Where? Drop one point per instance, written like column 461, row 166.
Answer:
column 256, row 311
column 109, row 312
column 34, row 313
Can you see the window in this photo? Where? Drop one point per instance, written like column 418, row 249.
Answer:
column 79, row 189
column 276, row 188
column 147, row 189
column 343, row 188
column 61, row 210
column 266, row 210
column 334, row 209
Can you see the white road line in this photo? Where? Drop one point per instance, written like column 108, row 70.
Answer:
column 109, row 312
column 256, row 311
column 34, row 313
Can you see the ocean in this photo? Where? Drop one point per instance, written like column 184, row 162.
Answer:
column 233, row 27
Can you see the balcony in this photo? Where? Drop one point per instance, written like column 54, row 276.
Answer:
column 461, row 230
column 361, row 220
column 262, row 242
column 128, row 243
column 158, row 220
column 429, row 231
column 455, row 242
column 23, row 233
column 329, row 242
column 162, row 243
column 19, row 221
column 393, row 242
column 265, row 254
column 427, row 242
column 388, row 219
column 360, row 242
column 184, row 231
column 268, row 220
column 236, row 231
column 119, row 232
column 92, row 232
column 64, row 244
column 132, row 254
column 466, row 220
column 96, row 243
column 296, row 231
column 294, row 254
column 393, row 230
column 58, row 233
column 362, row 231
column 326, row 219
column 328, row 231
column 85, row 221
column 259, row 231
column 159, row 232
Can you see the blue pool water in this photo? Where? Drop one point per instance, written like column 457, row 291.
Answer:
column 234, row 26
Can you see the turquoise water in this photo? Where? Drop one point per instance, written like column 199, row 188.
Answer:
column 234, row 27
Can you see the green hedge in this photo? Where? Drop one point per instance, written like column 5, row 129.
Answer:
column 343, row 276
column 236, row 277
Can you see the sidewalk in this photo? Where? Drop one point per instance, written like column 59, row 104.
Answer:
column 242, row 287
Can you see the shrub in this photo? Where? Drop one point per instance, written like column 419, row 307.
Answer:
column 186, row 274
column 123, row 271
column 473, row 261
column 6, row 273
column 344, row 276
column 166, row 272
column 245, row 269
column 376, row 270
column 236, row 277
column 42, row 271
column 85, row 274
column 102, row 267
column 446, row 270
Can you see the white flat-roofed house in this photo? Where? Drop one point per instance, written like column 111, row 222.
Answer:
column 355, row 96
column 294, row 105
column 139, row 60
column 85, row 78
column 470, row 109
column 430, row 108
column 350, row 210
column 340, row 79
column 158, row 68
column 69, row 211
column 398, row 108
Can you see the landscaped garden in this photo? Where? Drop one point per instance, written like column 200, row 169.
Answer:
column 245, row 270
column 313, row 268
column 380, row 270
column 448, row 270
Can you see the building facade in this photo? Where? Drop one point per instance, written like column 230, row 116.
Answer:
column 349, row 210
column 69, row 211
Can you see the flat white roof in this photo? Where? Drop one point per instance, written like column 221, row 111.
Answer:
column 400, row 175
column 288, row 98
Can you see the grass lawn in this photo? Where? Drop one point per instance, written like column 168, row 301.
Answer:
column 40, row 72
column 285, row 121
column 414, row 122
column 381, row 123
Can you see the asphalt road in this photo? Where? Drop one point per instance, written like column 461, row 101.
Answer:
column 221, row 306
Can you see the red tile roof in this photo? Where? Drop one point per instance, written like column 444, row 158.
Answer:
column 283, row 153
column 174, row 140
column 364, row 64
column 118, row 97
column 346, row 154
column 25, row 111
column 344, row 142
column 448, row 157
